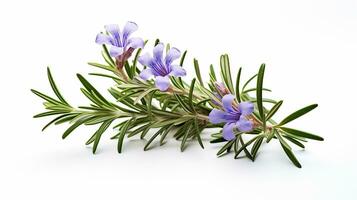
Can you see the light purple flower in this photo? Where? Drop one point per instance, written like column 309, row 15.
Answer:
column 234, row 115
column 161, row 68
column 121, row 46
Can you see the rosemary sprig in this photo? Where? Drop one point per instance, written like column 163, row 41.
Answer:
column 184, row 109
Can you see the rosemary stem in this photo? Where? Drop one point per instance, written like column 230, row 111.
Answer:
column 202, row 117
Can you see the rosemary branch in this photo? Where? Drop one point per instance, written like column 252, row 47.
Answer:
column 167, row 104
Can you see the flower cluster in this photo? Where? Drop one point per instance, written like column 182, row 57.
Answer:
column 234, row 115
column 121, row 47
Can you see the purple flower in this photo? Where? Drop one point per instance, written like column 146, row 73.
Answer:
column 161, row 68
column 120, row 45
column 234, row 115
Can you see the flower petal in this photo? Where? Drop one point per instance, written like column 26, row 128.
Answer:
column 115, row 51
column 158, row 51
column 135, row 43
column 227, row 101
column 244, row 125
column 162, row 82
column 145, row 59
column 146, row 74
column 246, row 108
column 114, row 30
column 172, row 55
column 177, row 71
column 216, row 116
column 129, row 28
column 227, row 131
column 103, row 39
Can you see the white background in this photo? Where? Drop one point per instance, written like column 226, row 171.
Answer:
column 310, row 50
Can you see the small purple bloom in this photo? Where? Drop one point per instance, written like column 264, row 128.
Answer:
column 161, row 68
column 120, row 45
column 234, row 115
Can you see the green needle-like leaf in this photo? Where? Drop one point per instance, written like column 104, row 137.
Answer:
column 190, row 95
column 149, row 105
column 180, row 83
column 79, row 122
column 54, row 120
column 226, row 72
column 49, row 113
column 296, row 142
column 212, row 74
column 254, row 89
column 273, row 110
column 291, row 155
column 165, row 133
column 297, row 114
column 121, row 135
column 256, row 147
column 106, row 76
column 45, row 97
column 301, row 133
column 54, row 87
column 247, row 153
column 90, row 88
column 236, row 144
column 183, row 103
column 107, row 56
column 101, row 66
column 218, row 140
column 282, row 141
column 145, row 131
column 238, row 85
column 182, row 60
column 225, row 147
column 185, row 137
column 143, row 94
column 260, row 94
column 245, row 145
column 197, row 70
column 249, row 80
column 197, row 130
column 135, row 61
column 128, row 70
column 153, row 137
column 66, row 118
column 271, row 134
column 99, row 132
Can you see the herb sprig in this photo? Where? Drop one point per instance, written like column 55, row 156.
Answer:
column 167, row 105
